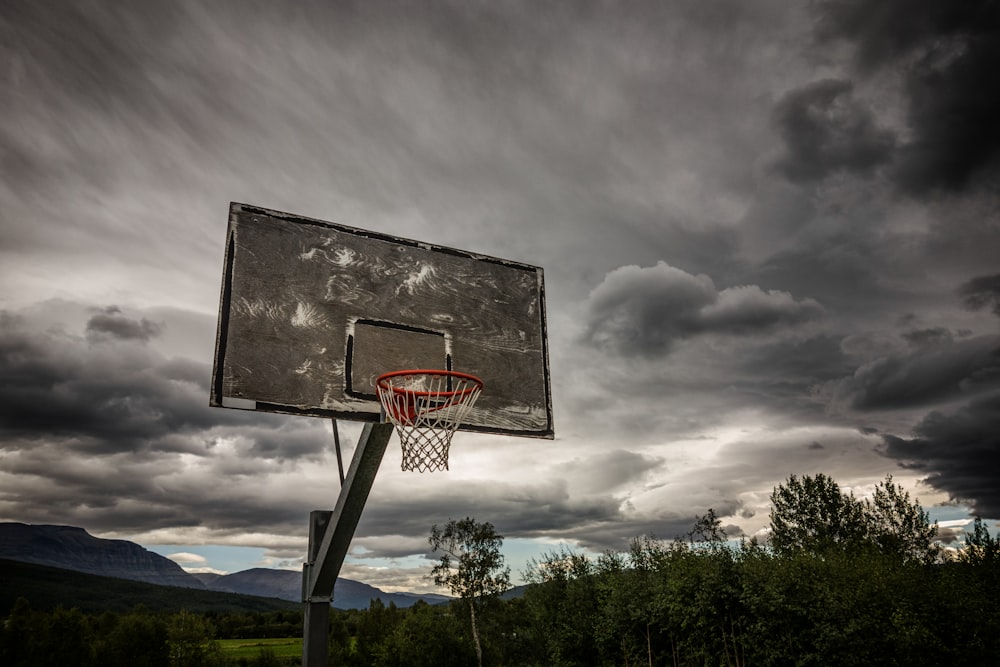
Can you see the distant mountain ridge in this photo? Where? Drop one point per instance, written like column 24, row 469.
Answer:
column 46, row 588
column 75, row 549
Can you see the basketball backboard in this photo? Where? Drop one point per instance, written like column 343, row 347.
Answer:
column 312, row 312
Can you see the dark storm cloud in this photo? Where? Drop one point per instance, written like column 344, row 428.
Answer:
column 606, row 472
column 643, row 311
column 781, row 375
column 826, row 130
column 108, row 396
column 954, row 111
column 923, row 337
column 130, row 494
column 83, row 57
column 959, row 452
column 851, row 267
column 89, row 51
column 980, row 292
column 949, row 54
column 531, row 509
column 111, row 322
column 939, row 371
column 886, row 31
column 596, row 522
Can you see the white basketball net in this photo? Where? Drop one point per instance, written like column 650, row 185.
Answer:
column 426, row 408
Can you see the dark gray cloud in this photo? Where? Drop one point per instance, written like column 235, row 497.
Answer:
column 644, row 311
column 785, row 371
column 104, row 431
column 607, row 472
column 826, row 130
column 108, row 395
column 953, row 112
column 111, row 322
column 849, row 267
column 82, row 61
column 529, row 509
column 923, row 337
column 959, row 452
column 980, row 292
column 948, row 54
column 894, row 28
column 937, row 371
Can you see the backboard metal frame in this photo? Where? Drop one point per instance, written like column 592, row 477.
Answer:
column 291, row 284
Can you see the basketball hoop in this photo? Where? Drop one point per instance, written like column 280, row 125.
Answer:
column 427, row 407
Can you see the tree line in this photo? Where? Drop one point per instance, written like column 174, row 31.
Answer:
column 840, row 581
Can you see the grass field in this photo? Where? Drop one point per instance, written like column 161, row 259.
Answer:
column 250, row 648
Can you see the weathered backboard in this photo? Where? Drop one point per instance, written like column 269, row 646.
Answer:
column 312, row 312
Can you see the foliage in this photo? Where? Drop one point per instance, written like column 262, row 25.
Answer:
column 696, row 600
column 900, row 526
column 811, row 515
column 427, row 637
column 189, row 637
column 980, row 547
column 471, row 566
column 659, row 603
column 564, row 605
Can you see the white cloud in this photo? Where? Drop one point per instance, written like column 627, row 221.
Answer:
column 187, row 559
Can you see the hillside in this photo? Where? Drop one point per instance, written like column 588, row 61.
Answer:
column 76, row 549
column 71, row 548
column 47, row 587
column 287, row 585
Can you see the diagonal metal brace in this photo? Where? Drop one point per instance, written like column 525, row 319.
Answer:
column 319, row 575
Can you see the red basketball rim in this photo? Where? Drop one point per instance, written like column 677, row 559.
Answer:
column 383, row 382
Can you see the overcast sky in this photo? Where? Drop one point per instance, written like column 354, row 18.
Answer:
column 770, row 234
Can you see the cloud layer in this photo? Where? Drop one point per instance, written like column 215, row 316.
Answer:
column 644, row 311
column 769, row 235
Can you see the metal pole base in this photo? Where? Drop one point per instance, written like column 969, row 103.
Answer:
column 330, row 535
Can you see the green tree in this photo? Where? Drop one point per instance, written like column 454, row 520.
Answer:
column 191, row 642
column 564, row 604
column 980, row 547
column 812, row 515
column 138, row 639
column 900, row 526
column 427, row 637
column 375, row 626
column 708, row 529
column 66, row 638
column 16, row 635
column 471, row 566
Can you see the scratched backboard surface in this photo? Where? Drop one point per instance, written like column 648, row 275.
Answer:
column 312, row 312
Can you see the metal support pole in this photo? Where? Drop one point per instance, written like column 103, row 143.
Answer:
column 330, row 535
column 336, row 444
column 316, row 621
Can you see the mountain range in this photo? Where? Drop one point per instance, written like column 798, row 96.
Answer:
column 73, row 548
